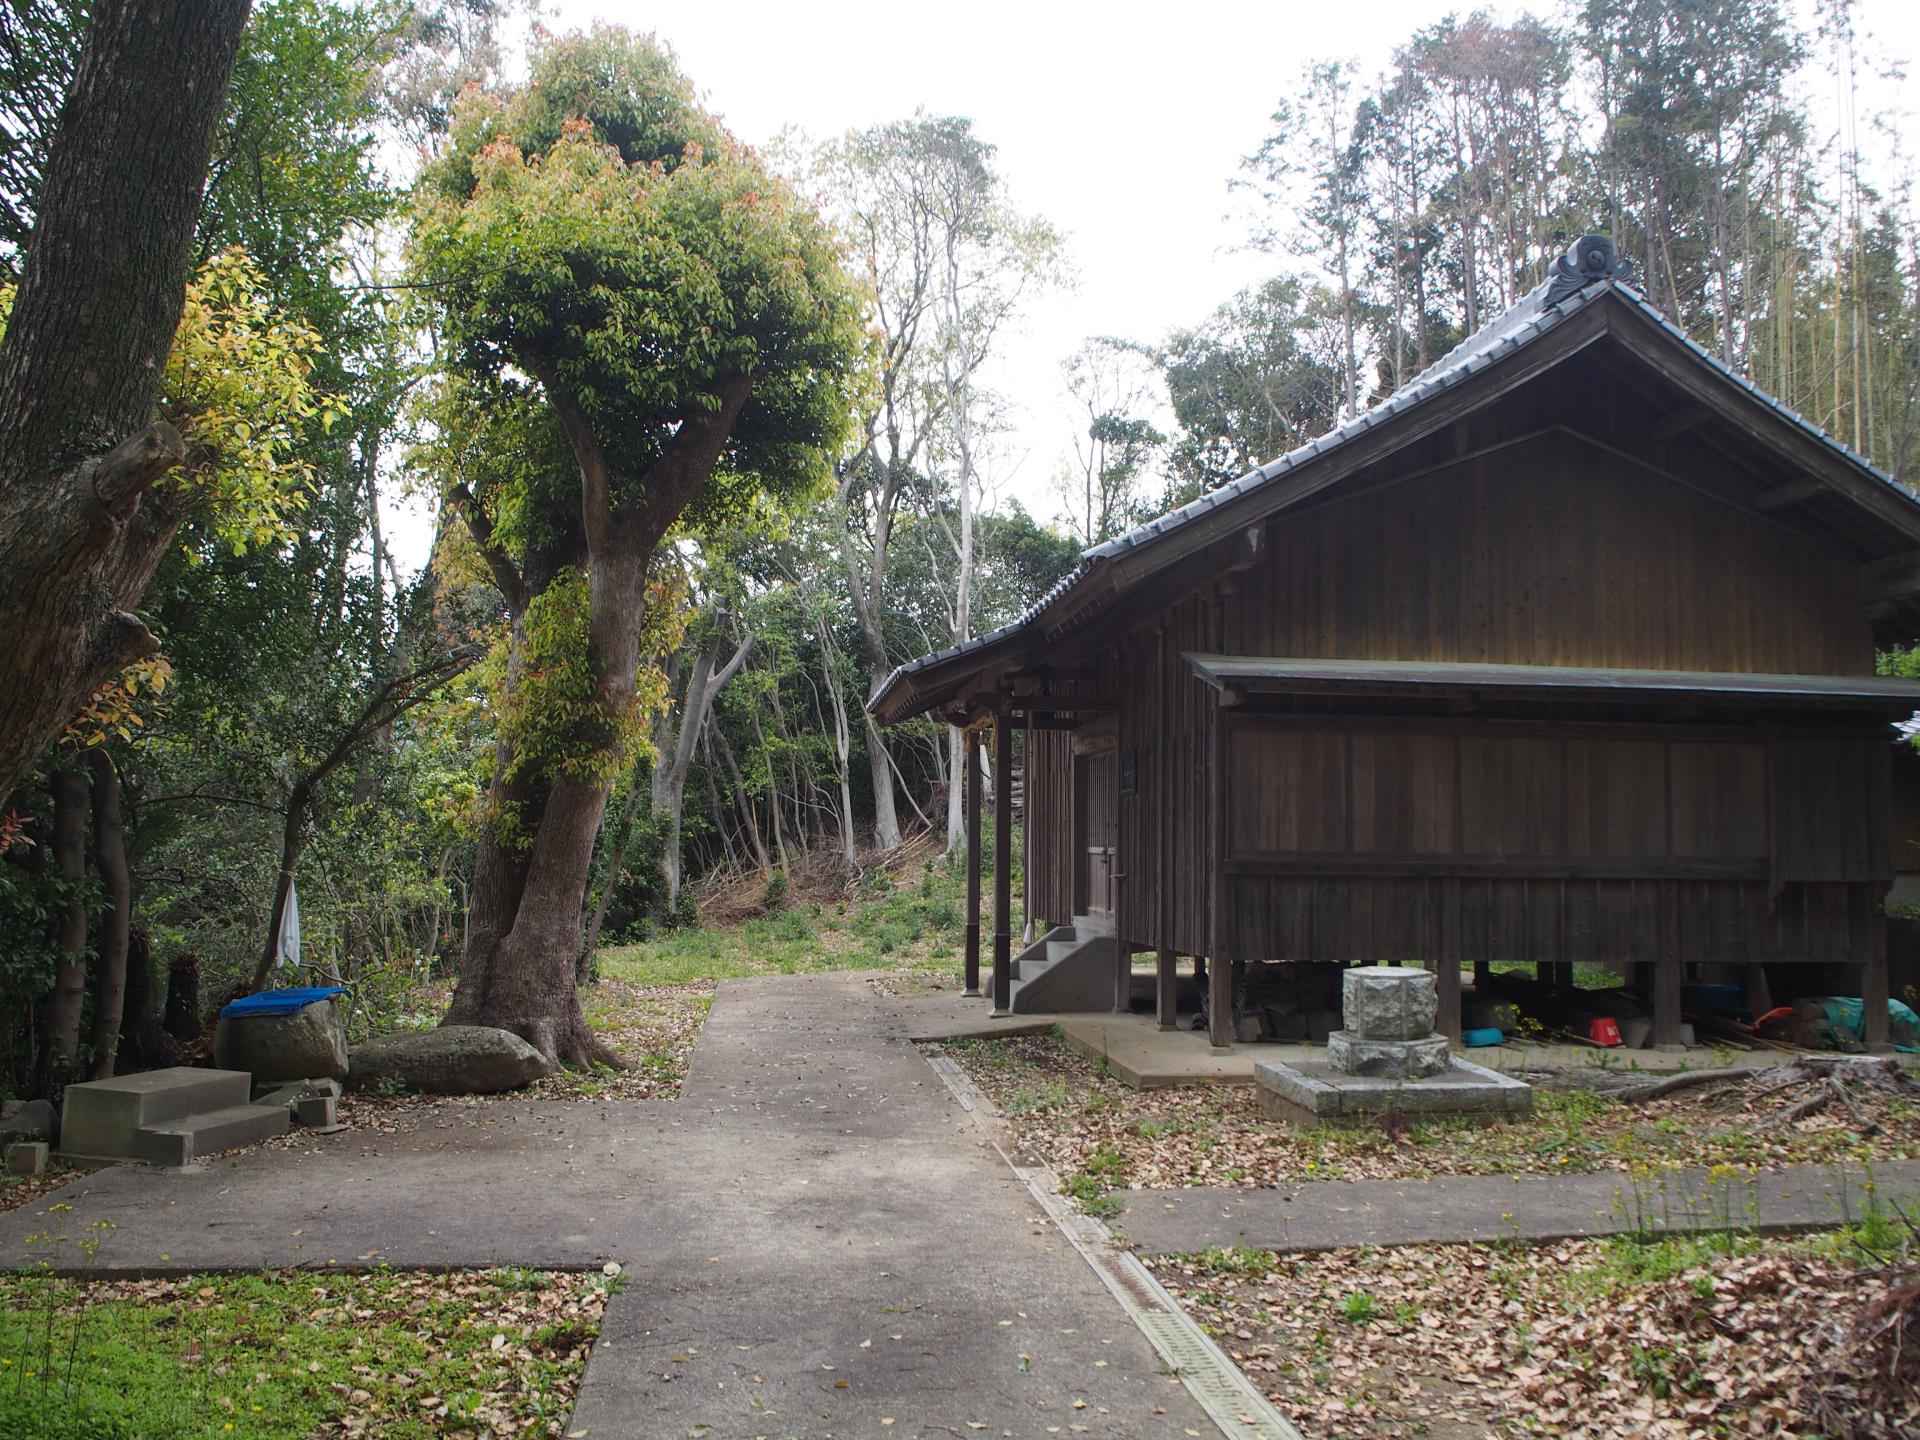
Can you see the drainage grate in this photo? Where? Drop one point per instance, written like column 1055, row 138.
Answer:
column 1214, row 1381
column 1223, row 1392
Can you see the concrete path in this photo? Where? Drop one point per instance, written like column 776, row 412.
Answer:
column 818, row 1240
column 1453, row 1209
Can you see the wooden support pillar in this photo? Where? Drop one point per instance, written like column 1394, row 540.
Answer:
column 1166, row 989
column 1002, row 859
column 1220, row 897
column 1166, row 980
column 1666, row 971
column 1873, row 977
column 1448, row 1020
column 973, row 864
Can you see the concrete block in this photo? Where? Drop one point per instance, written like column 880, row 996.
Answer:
column 27, row 1157
column 1389, row 1002
column 313, row 1110
column 1314, row 1093
column 1389, row 1059
column 103, row 1119
column 178, row 1141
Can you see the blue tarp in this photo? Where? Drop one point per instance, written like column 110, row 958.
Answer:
column 280, row 1002
column 1903, row 1026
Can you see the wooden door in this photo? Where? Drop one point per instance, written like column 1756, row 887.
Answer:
column 1096, row 833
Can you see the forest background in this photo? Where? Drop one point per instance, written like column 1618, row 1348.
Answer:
column 315, row 749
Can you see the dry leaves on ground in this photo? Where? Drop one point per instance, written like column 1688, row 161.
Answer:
column 19, row 1190
column 1583, row 1338
column 1067, row 1114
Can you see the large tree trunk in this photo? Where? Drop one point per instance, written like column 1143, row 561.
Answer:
column 60, row 1011
column 144, row 1044
column 101, row 287
column 110, row 968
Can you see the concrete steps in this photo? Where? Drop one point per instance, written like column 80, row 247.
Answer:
column 165, row 1117
column 178, row 1141
column 1069, row 968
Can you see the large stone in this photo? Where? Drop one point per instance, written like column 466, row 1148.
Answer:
column 1389, row 1059
column 308, row 1044
column 28, row 1120
column 451, row 1060
column 1389, row 1002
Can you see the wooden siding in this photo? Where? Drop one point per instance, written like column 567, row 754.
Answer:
column 1047, row 788
column 1362, row 841
column 1550, row 553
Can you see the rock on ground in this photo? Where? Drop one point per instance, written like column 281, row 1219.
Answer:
column 28, row 1120
column 451, row 1060
column 308, row 1044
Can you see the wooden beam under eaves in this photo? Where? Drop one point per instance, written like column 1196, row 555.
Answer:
column 1687, row 417
column 1892, row 577
column 1052, row 703
column 1794, row 492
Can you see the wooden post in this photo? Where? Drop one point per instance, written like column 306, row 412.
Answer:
column 973, row 864
column 1122, row 977
column 1002, row 858
column 1220, row 892
column 1873, row 977
column 1166, row 983
column 1666, row 971
column 1448, row 1020
column 1027, row 930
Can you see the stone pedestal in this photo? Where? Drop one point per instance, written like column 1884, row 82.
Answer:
column 1353, row 1054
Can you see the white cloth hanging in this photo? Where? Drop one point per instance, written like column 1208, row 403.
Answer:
column 287, row 944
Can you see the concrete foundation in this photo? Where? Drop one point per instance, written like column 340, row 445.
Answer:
column 1309, row 1093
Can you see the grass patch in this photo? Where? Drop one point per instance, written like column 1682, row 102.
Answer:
column 909, row 925
column 294, row 1355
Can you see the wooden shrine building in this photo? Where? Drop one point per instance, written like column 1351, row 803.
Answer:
column 1566, row 652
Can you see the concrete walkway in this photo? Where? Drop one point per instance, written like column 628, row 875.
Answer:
column 1324, row 1215
column 818, row 1240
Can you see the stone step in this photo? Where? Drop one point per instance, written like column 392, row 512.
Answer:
column 1030, row 969
column 178, row 1141
column 102, row 1119
column 1058, row 950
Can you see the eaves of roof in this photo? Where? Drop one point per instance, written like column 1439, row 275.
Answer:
column 1516, row 328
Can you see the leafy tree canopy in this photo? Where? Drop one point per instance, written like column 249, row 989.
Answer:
column 598, row 231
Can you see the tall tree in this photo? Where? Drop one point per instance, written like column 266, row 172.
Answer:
column 82, row 525
column 693, row 339
column 948, row 262
column 1110, row 387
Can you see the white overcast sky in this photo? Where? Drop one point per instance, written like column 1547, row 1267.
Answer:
column 1121, row 123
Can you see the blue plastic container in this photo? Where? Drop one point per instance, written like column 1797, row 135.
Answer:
column 1484, row 1037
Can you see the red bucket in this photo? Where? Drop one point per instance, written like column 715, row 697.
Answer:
column 1604, row 1031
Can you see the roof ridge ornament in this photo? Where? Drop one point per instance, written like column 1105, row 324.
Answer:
column 1589, row 259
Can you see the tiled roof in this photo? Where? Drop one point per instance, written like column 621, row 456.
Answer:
column 1512, row 330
